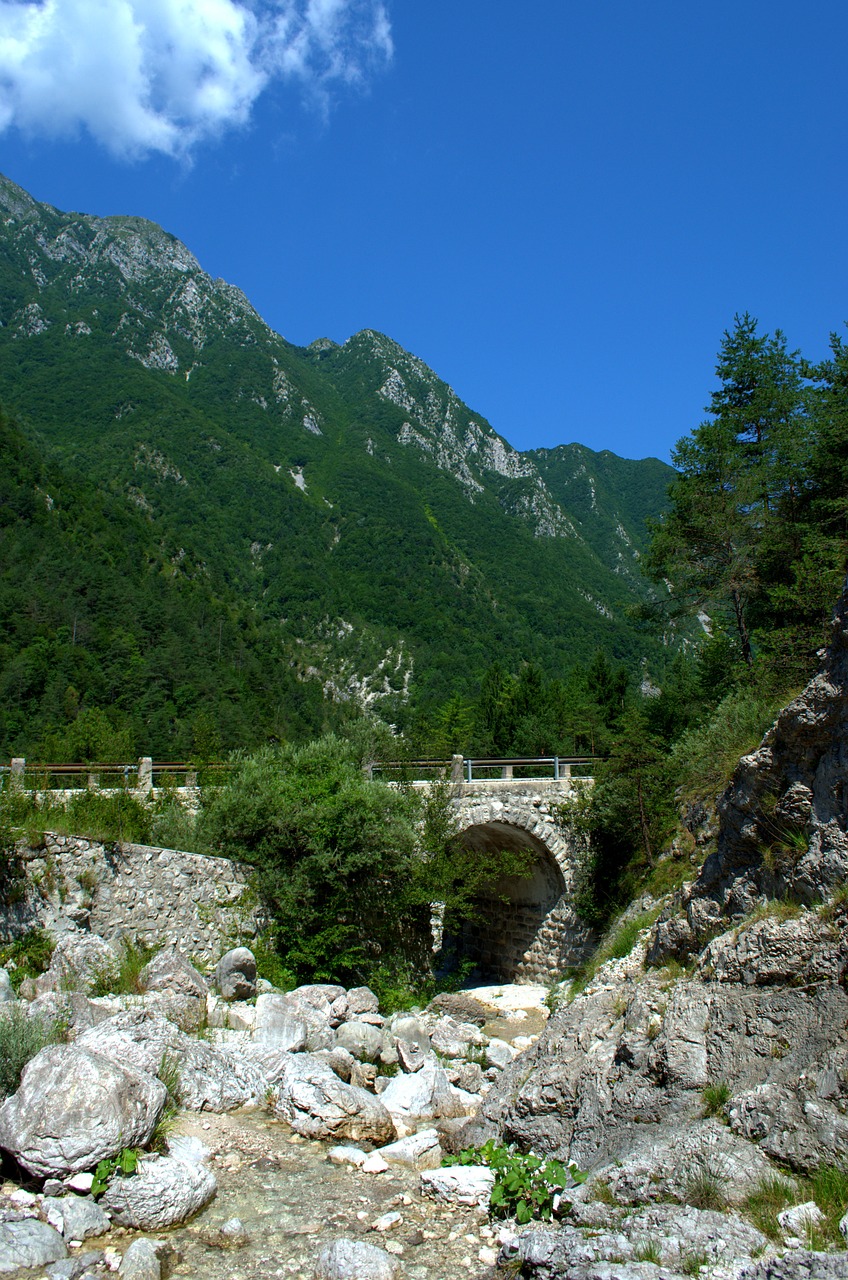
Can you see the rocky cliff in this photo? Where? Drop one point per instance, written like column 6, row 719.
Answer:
column 695, row 1085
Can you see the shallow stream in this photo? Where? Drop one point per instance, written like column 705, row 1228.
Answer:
column 292, row 1201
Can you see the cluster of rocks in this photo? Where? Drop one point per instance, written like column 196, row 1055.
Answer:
column 321, row 1058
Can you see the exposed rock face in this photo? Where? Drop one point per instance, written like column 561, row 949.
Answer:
column 76, row 1217
column 150, row 894
column 289, row 1022
column 169, row 971
column 426, row 1092
column 356, row 1260
column 678, row 1232
column 74, row 1108
column 78, row 962
column 29, row 1244
column 783, row 817
column 207, row 1079
column 616, row 1082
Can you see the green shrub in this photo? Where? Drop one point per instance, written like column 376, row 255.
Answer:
column 28, row 956
column 22, row 1036
column 270, row 964
column 123, row 978
column 526, row 1186
column 173, row 826
column 333, row 852
column 97, row 815
column 703, row 758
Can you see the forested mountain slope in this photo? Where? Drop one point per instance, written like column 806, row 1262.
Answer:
column 340, row 501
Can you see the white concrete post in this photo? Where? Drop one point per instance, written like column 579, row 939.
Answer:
column 145, row 775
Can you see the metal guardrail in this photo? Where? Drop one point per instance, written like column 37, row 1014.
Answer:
column 463, row 768
column 146, row 774
column 143, row 775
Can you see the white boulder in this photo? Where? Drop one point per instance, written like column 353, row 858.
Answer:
column 75, row 1107
column 163, row 1192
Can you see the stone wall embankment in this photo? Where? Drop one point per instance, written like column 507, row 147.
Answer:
column 202, row 905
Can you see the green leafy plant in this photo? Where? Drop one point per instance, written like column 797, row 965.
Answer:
column 124, row 1165
column 526, row 1186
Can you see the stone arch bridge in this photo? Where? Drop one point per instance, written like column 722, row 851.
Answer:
column 527, row 929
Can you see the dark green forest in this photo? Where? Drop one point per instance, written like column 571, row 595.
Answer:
column 213, row 539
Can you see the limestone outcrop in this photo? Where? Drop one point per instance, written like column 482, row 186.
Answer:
column 754, row 1031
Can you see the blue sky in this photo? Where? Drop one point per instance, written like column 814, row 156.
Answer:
column 558, row 206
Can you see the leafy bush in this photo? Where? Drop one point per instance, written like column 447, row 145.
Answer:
column 22, row 1036
column 526, row 1186
column 349, row 866
column 98, row 815
column 124, row 1164
column 270, row 964
column 334, row 854
column 704, row 758
column 28, row 956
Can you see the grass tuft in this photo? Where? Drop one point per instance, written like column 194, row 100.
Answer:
column 715, row 1099
column 124, row 978
column 705, row 1186
column 22, row 1036
column 769, row 1198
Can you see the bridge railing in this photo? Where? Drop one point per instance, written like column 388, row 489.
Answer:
column 145, row 774
column 142, row 775
column 486, row 768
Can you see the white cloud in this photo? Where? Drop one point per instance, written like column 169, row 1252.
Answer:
column 160, row 75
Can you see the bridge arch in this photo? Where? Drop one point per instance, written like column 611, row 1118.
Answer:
column 526, row 928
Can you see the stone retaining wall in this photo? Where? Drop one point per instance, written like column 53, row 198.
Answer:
column 202, row 905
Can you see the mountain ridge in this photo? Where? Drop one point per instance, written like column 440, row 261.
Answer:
column 339, row 490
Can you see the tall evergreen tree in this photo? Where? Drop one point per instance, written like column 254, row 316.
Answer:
column 742, row 474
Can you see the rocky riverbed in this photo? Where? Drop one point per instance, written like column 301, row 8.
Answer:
column 700, row 1081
